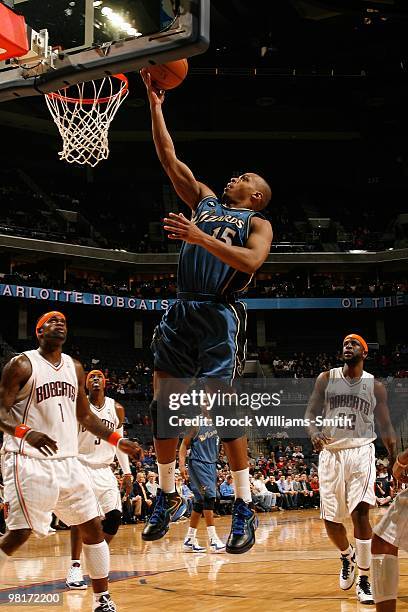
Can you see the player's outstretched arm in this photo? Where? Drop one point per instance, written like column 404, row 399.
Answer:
column 245, row 259
column 314, row 409
column 184, row 182
column 15, row 375
column 382, row 415
column 92, row 423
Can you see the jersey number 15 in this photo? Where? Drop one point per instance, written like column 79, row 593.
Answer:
column 226, row 236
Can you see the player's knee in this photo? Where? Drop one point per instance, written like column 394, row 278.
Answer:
column 20, row 536
column 385, row 577
column 209, row 503
column 361, row 511
column 198, row 507
column 153, row 416
column 154, row 419
column 111, row 522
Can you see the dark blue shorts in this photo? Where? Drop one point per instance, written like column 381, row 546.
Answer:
column 202, row 479
column 201, row 339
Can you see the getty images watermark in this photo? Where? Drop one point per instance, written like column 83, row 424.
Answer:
column 268, row 408
column 208, row 402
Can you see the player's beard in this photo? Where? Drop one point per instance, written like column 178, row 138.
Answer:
column 352, row 360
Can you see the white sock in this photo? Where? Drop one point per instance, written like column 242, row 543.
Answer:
column 363, row 550
column 241, row 485
column 348, row 552
column 212, row 534
column 166, row 477
column 77, row 561
column 191, row 533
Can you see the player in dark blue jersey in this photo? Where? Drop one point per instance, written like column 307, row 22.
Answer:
column 203, row 443
column 203, row 333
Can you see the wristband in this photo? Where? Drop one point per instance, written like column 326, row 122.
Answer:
column 114, row 438
column 403, row 466
column 21, row 431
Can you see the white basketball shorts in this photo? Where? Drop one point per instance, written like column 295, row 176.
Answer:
column 347, row 478
column 105, row 487
column 393, row 527
column 35, row 488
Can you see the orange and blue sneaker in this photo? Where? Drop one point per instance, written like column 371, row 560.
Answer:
column 168, row 507
column 244, row 524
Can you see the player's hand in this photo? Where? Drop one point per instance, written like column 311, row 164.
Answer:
column 130, row 448
column 127, row 483
column 41, row 442
column 183, row 472
column 400, row 473
column 319, row 440
column 181, row 228
column 156, row 96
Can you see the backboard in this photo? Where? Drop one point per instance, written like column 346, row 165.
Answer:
column 93, row 38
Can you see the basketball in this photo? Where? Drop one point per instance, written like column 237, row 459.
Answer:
column 170, row 75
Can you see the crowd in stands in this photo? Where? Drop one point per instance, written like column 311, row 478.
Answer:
column 302, row 365
column 34, row 211
column 164, row 286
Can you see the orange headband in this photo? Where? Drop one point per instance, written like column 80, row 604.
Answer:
column 92, row 373
column 46, row 317
column 359, row 339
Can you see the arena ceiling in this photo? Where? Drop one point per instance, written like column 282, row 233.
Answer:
column 275, row 67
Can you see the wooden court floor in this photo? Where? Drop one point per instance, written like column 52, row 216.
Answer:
column 292, row 567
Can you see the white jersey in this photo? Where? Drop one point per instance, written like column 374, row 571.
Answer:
column 349, row 406
column 47, row 403
column 93, row 450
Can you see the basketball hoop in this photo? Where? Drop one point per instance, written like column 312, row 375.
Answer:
column 83, row 118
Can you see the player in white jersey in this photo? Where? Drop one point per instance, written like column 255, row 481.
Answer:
column 390, row 534
column 350, row 400
column 42, row 400
column 97, row 457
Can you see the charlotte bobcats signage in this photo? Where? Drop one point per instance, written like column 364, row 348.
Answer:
column 114, row 301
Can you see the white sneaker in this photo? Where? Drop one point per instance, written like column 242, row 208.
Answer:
column 348, row 570
column 216, row 546
column 75, row 579
column 104, row 604
column 364, row 592
column 191, row 545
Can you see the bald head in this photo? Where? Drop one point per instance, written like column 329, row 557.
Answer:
column 247, row 191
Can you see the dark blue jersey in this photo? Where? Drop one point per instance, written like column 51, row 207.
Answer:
column 204, row 445
column 201, row 272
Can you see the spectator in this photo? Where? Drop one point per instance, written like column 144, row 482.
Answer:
column 314, row 484
column 227, row 489
column 143, row 503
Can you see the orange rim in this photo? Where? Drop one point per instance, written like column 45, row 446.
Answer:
column 57, row 95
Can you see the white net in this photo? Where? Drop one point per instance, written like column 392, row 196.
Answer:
column 83, row 114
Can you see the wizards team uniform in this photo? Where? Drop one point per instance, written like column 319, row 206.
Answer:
column 202, row 460
column 203, row 333
column 35, row 485
column 97, row 456
column 347, row 465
